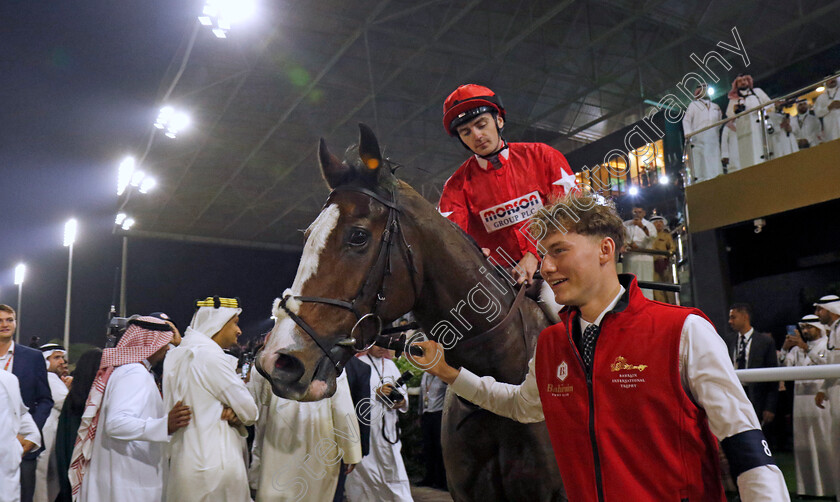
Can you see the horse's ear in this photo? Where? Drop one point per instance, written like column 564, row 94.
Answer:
column 369, row 148
column 333, row 170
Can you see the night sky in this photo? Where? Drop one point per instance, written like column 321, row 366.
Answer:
column 79, row 86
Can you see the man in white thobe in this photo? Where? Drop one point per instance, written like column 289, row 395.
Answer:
column 207, row 461
column 742, row 97
column 729, row 148
column 811, row 425
column 641, row 234
column 381, row 475
column 46, row 475
column 805, row 126
column 780, row 133
column 18, row 435
column 119, row 452
column 827, row 309
column 704, row 146
column 300, row 445
column 827, row 107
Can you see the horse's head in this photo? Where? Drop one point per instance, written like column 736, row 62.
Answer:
column 354, row 276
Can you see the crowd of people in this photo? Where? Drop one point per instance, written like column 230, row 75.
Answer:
column 739, row 142
column 160, row 416
column 648, row 252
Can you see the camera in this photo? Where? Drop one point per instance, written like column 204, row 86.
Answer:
column 740, row 107
column 395, row 396
column 115, row 331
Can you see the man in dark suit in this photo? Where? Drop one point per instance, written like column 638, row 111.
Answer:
column 28, row 366
column 358, row 378
column 754, row 350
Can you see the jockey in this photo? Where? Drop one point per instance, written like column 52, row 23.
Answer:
column 495, row 191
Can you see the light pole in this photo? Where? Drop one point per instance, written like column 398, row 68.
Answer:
column 69, row 240
column 20, row 272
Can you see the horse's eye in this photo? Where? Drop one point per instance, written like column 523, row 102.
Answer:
column 358, row 237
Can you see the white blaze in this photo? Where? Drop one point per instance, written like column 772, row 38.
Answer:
column 319, row 233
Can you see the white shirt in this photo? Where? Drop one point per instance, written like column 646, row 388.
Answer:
column 638, row 236
column 748, row 342
column 127, row 461
column 381, row 475
column 806, row 126
column 207, row 455
column 699, row 114
column 7, row 360
column 15, row 419
column 300, row 443
column 707, row 376
column 432, row 393
column 796, row 356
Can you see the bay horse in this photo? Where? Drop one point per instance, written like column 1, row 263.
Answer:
column 378, row 250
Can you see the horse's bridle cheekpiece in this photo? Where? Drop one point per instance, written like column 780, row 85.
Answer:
column 358, row 340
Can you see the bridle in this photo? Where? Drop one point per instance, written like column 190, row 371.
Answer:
column 359, row 340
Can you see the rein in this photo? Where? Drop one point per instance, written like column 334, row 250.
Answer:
column 378, row 272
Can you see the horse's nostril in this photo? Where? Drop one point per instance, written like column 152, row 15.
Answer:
column 289, row 367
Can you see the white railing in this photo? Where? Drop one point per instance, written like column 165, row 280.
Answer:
column 779, row 374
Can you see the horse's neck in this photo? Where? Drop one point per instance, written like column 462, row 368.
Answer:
column 464, row 297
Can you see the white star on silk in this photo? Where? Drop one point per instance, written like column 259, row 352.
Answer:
column 568, row 182
column 446, row 214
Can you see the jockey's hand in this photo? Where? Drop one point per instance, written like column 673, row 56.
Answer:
column 486, row 252
column 349, row 468
column 819, row 399
column 432, row 361
column 524, row 272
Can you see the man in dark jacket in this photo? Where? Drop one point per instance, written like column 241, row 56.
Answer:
column 358, row 378
column 28, row 366
column 754, row 350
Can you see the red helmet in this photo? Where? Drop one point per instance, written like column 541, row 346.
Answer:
column 467, row 102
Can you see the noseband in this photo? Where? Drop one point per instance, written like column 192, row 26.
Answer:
column 380, row 269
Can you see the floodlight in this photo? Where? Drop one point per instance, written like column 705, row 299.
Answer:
column 220, row 15
column 172, row 121
column 70, row 232
column 235, row 11
column 711, row 91
column 147, row 184
column 128, row 223
column 663, row 180
column 20, row 272
column 126, row 171
column 120, row 218
column 137, row 178
column 164, row 116
column 633, row 191
column 821, row 88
